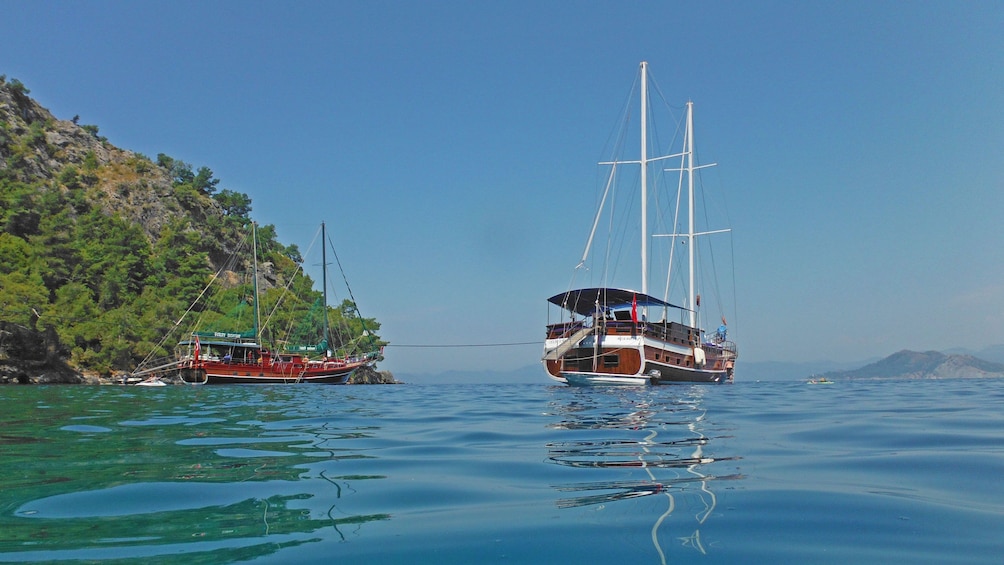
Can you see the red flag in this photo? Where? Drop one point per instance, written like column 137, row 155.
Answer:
column 634, row 308
column 198, row 348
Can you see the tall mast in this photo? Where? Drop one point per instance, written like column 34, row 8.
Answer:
column 690, row 208
column 254, row 255
column 644, row 178
column 324, row 281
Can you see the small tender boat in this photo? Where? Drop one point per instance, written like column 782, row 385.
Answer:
column 151, row 381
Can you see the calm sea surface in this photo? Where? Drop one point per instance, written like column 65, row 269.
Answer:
column 782, row 472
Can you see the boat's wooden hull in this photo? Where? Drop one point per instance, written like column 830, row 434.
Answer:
column 217, row 372
column 633, row 355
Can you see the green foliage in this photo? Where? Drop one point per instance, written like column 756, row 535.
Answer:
column 90, row 161
column 15, row 255
column 226, row 212
column 354, row 334
column 188, row 197
column 204, row 181
column 116, row 266
column 19, row 91
column 36, row 135
column 21, row 295
column 70, row 177
column 177, row 266
column 93, row 130
column 293, row 252
column 18, row 212
column 235, row 204
column 74, row 315
column 268, row 245
column 55, row 241
column 141, row 163
column 18, row 88
column 179, row 171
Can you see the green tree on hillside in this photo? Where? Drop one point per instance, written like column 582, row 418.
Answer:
column 21, row 296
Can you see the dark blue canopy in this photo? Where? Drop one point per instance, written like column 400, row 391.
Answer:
column 583, row 301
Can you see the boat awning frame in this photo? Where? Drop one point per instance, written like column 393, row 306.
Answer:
column 231, row 343
column 583, row 301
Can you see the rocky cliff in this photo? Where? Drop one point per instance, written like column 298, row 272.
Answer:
column 31, row 357
column 36, row 146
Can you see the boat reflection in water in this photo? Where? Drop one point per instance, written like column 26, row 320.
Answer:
column 659, row 446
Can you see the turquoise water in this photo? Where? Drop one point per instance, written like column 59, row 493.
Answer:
column 868, row 471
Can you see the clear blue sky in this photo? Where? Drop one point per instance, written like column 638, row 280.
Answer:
column 861, row 145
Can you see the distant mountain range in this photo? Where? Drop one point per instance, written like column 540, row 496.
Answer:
column 994, row 353
column 923, row 365
column 956, row 363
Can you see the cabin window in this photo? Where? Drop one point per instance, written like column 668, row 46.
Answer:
column 611, row 360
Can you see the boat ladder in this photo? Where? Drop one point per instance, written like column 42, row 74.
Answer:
column 569, row 343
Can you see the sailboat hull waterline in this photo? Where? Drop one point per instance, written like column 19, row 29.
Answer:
column 607, row 336
column 614, row 349
column 233, row 362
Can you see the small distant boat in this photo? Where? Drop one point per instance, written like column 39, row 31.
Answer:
column 151, row 381
column 240, row 357
column 621, row 336
column 819, row 381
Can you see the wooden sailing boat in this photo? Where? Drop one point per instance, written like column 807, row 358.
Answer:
column 605, row 335
column 219, row 357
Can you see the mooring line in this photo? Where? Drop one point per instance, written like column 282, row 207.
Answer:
column 434, row 345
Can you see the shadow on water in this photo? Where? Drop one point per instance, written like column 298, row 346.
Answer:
column 643, row 442
column 98, row 473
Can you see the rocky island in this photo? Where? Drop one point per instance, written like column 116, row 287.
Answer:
column 102, row 249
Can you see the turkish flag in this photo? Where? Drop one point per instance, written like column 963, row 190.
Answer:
column 634, row 308
column 198, row 348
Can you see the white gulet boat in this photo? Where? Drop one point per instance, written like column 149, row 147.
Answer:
column 621, row 336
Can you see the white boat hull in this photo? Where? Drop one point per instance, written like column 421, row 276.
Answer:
column 602, row 379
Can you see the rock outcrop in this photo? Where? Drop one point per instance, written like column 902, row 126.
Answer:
column 369, row 376
column 31, row 357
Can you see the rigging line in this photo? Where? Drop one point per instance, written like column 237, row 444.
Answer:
column 433, row 345
column 735, row 305
column 286, row 289
column 352, row 297
column 177, row 324
column 716, row 286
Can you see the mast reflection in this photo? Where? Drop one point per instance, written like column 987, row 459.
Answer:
column 650, row 442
